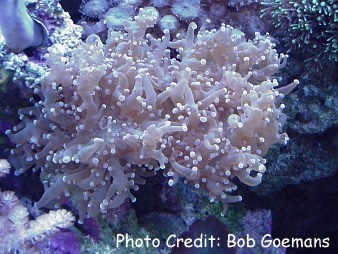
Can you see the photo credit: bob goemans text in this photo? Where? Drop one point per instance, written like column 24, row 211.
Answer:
column 210, row 241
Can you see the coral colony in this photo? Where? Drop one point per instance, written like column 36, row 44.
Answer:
column 109, row 114
column 314, row 29
column 19, row 233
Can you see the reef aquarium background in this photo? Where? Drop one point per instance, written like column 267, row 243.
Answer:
column 168, row 126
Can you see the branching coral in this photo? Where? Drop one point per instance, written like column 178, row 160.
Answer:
column 111, row 114
column 18, row 234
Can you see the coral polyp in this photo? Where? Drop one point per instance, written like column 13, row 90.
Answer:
column 186, row 10
column 116, row 17
column 94, row 8
column 169, row 22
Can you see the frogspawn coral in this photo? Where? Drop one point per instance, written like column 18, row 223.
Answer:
column 111, row 114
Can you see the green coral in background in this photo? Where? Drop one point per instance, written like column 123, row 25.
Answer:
column 307, row 25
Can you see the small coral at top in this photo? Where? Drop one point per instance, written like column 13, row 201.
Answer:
column 169, row 22
column 116, row 17
column 186, row 10
column 94, row 8
column 110, row 114
column 18, row 234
